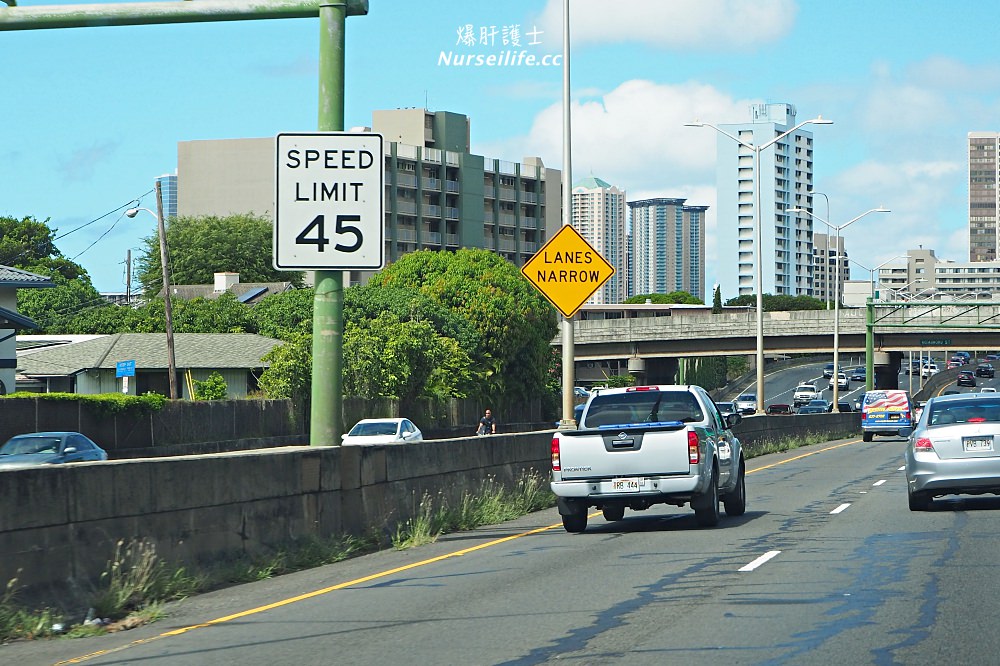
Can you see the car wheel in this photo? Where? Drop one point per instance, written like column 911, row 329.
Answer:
column 867, row 436
column 706, row 507
column 613, row 512
column 919, row 501
column 736, row 500
column 576, row 521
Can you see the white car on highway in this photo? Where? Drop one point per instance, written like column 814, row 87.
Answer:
column 929, row 370
column 842, row 381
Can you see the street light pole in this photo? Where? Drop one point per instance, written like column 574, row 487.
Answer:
column 871, row 271
column 167, row 308
column 758, row 234
column 836, row 294
column 826, row 257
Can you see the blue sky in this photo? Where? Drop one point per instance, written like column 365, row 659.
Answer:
column 93, row 115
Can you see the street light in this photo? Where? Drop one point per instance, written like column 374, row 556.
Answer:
column 826, row 257
column 167, row 310
column 899, row 291
column 871, row 271
column 836, row 292
column 759, row 281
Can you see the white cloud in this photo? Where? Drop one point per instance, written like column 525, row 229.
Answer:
column 674, row 24
column 926, row 211
column 634, row 136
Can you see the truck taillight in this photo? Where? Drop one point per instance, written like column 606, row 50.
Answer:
column 923, row 444
column 555, row 455
column 694, row 450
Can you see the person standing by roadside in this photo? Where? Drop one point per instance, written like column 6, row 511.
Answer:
column 487, row 424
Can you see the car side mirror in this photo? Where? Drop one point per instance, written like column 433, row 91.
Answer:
column 733, row 419
column 343, row 437
column 69, row 449
column 905, row 432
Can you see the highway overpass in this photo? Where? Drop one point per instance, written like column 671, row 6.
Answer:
column 898, row 327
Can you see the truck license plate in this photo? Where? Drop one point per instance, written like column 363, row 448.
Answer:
column 629, row 485
column 978, row 443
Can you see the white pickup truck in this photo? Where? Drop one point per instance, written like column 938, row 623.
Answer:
column 645, row 445
column 804, row 393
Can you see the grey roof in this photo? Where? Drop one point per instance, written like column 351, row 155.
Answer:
column 239, row 290
column 149, row 351
column 10, row 319
column 15, row 277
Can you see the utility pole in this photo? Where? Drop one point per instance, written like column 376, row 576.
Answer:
column 168, row 312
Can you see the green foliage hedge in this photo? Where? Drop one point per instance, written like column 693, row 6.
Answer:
column 109, row 403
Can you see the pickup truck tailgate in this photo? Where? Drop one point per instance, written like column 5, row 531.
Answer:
column 613, row 452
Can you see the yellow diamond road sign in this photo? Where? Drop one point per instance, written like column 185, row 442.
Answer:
column 567, row 270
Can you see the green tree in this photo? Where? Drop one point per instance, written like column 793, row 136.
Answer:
column 54, row 309
column 779, row 303
column 678, row 297
column 198, row 247
column 223, row 314
column 286, row 315
column 514, row 322
column 289, row 371
column 388, row 357
column 213, row 388
column 717, row 300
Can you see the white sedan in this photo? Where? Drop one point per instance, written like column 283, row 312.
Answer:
column 383, row 431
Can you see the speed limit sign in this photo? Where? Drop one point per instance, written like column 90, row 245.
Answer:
column 329, row 201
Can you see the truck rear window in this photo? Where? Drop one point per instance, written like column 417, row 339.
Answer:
column 643, row 407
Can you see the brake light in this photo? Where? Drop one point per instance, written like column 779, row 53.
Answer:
column 556, row 467
column 923, row 444
column 641, row 388
column 976, row 419
column 694, row 450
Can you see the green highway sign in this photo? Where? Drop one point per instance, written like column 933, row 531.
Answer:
column 935, row 342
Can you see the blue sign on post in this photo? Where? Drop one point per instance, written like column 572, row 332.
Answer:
column 125, row 369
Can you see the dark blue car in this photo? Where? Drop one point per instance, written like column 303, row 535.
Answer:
column 48, row 448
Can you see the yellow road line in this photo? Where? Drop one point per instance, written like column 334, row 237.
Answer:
column 804, row 455
column 375, row 576
column 310, row 595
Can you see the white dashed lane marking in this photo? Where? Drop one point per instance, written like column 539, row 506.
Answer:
column 760, row 560
column 840, row 508
column 879, row 483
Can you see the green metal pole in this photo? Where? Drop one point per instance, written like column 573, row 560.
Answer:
column 327, row 412
column 870, row 346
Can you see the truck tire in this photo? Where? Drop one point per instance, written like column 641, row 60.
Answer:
column 706, row 507
column 867, row 436
column 613, row 512
column 735, row 501
column 575, row 522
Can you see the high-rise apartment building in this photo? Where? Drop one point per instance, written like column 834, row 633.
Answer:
column 168, row 189
column 784, row 181
column 829, row 256
column 438, row 195
column 599, row 216
column 668, row 247
column 984, row 189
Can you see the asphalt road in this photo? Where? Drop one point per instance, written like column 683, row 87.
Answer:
column 828, row 566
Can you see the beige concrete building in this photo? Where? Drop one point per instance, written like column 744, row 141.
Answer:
column 438, row 194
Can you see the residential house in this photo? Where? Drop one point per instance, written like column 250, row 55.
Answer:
column 89, row 363
column 12, row 279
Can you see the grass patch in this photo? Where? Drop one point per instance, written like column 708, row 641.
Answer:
column 491, row 504
column 790, row 443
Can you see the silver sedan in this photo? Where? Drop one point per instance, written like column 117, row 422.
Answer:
column 954, row 448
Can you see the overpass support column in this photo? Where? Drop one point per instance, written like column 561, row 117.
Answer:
column 887, row 365
column 658, row 371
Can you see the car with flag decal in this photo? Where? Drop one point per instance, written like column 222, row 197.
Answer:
column 885, row 412
column 643, row 445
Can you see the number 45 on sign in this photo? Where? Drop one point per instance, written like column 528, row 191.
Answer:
column 329, row 207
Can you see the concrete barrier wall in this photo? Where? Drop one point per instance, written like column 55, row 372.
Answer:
column 59, row 525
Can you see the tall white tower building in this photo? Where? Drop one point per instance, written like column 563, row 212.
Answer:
column 785, row 181
column 599, row 216
column 668, row 247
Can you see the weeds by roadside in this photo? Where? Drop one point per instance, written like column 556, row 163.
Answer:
column 790, row 443
column 136, row 582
